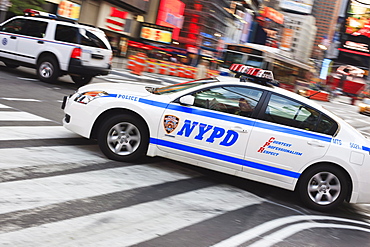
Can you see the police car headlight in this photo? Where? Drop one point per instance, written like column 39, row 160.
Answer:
column 87, row 97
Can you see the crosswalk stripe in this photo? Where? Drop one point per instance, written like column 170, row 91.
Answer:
column 38, row 156
column 4, row 106
column 56, row 189
column 129, row 226
column 35, row 132
column 20, row 116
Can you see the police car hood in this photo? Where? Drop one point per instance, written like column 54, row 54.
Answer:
column 117, row 88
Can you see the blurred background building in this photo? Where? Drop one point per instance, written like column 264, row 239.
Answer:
column 296, row 31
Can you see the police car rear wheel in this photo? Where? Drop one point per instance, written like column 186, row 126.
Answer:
column 48, row 69
column 123, row 138
column 323, row 187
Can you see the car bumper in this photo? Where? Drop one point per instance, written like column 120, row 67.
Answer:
column 78, row 117
column 75, row 67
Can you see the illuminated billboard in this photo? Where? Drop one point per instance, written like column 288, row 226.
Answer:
column 171, row 14
column 156, row 33
column 358, row 19
column 355, row 48
column 69, row 10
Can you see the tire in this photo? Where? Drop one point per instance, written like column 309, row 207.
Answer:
column 81, row 80
column 11, row 65
column 323, row 187
column 123, row 138
column 48, row 69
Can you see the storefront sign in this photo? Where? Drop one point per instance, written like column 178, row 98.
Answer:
column 114, row 19
column 272, row 14
column 301, row 6
column 69, row 10
column 156, row 33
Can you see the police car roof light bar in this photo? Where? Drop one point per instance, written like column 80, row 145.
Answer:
column 32, row 12
column 256, row 75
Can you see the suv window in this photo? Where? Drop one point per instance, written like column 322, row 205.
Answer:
column 78, row 36
column 90, row 39
column 66, row 34
column 34, row 28
column 14, row 26
column 282, row 110
column 233, row 99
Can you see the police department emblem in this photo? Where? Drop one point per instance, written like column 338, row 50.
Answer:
column 170, row 123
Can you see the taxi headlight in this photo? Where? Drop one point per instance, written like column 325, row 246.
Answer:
column 87, row 97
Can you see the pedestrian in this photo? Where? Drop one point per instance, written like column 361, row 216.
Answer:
column 202, row 70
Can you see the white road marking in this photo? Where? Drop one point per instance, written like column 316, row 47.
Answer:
column 27, row 79
column 21, row 99
column 364, row 128
column 270, row 225
column 4, row 106
column 34, row 132
column 282, row 234
column 135, row 224
column 20, row 116
column 20, row 195
column 57, row 155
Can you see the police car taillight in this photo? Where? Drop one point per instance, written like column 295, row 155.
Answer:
column 32, row 12
column 76, row 53
column 257, row 75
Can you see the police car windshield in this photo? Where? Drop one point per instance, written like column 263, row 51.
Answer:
column 183, row 86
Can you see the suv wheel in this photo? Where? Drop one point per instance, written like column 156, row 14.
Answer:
column 81, row 80
column 48, row 69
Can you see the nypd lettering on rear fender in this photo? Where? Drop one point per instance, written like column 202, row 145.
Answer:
column 208, row 133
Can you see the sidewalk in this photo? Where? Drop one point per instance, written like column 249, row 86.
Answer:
column 119, row 68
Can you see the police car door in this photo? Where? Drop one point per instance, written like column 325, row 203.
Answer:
column 215, row 130
column 288, row 136
column 9, row 36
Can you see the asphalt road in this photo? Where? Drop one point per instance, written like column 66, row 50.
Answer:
column 57, row 189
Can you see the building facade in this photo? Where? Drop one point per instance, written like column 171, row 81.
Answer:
column 326, row 13
column 303, row 32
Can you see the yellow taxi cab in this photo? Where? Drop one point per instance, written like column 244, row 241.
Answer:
column 364, row 106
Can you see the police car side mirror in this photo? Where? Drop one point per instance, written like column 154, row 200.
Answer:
column 187, row 100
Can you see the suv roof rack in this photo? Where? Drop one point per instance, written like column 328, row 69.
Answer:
column 256, row 75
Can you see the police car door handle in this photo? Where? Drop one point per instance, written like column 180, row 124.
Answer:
column 13, row 37
column 40, row 42
column 239, row 129
column 315, row 143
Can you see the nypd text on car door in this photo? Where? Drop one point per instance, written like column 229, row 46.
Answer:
column 215, row 129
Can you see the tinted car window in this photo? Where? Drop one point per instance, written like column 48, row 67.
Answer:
column 90, row 39
column 67, row 34
column 14, row 26
column 34, row 28
column 285, row 111
column 233, row 99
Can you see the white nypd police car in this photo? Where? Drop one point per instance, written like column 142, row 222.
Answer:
column 259, row 132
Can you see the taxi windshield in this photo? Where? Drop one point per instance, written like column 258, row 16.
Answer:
column 182, row 86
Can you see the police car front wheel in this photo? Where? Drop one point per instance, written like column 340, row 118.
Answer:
column 323, row 187
column 123, row 138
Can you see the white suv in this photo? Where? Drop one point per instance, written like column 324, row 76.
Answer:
column 55, row 47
